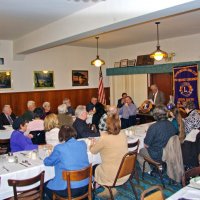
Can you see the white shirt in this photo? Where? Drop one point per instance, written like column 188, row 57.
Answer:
column 52, row 136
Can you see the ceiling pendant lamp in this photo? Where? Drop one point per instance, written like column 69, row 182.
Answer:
column 158, row 54
column 97, row 62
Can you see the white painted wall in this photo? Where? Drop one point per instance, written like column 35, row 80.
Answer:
column 186, row 49
column 62, row 60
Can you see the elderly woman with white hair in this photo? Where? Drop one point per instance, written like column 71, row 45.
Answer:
column 63, row 117
column 80, row 125
column 70, row 109
column 157, row 137
column 46, row 108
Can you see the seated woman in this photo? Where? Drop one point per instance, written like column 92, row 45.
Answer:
column 36, row 127
column 176, row 119
column 63, row 117
column 128, row 113
column 112, row 146
column 69, row 155
column 192, row 121
column 46, row 108
column 51, row 128
column 18, row 141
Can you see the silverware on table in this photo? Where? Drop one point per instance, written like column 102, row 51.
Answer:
column 23, row 164
column 5, row 168
column 24, row 154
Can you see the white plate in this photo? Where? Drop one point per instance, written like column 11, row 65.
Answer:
column 195, row 182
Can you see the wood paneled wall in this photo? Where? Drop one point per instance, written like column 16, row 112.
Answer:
column 18, row 100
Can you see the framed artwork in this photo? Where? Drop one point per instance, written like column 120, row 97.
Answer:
column 117, row 64
column 43, row 79
column 5, row 79
column 79, row 78
column 124, row 63
column 1, row 61
column 132, row 63
column 144, row 60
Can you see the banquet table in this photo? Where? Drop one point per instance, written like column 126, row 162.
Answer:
column 19, row 171
column 6, row 134
column 27, row 168
column 187, row 193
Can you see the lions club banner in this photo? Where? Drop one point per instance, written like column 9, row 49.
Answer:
column 185, row 85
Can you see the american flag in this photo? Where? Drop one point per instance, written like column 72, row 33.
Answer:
column 101, row 92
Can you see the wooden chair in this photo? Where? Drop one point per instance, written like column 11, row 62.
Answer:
column 126, row 167
column 135, row 146
column 159, row 166
column 4, row 146
column 190, row 174
column 34, row 193
column 155, row 193
column 77, row 175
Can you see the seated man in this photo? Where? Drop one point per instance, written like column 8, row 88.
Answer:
column 157, row 137
column 7, row 117
column 90, row 107
column 29, row 114
column 80, row 125
column 121, row 101
column 128, row 113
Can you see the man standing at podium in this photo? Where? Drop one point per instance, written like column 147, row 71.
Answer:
column 156, row 95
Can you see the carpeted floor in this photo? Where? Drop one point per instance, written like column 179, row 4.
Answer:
column 125, row 192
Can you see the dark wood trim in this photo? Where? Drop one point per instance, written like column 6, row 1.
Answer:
column 18, row 100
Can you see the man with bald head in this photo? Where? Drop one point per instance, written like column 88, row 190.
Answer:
column 156, row 95
column 7, row 116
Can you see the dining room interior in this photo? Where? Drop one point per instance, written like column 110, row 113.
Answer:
column 49, row 52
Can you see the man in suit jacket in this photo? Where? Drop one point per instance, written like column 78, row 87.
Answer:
column 156, row 95
column 7, row 117
column 121, row 101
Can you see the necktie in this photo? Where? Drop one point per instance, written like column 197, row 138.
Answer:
column 10, row 120
column 153, row 97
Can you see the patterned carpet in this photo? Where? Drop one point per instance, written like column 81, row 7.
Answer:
column 125, row 192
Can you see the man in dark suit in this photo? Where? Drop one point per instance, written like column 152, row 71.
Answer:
column 121, row 101
column 7, row 117
column 156, row 95
column 90, row 107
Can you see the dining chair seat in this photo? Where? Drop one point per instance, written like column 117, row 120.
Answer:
column 127, row 167
column 76, row 175
column 35, row 193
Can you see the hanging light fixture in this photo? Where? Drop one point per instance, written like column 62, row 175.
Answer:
column 158, row 54
column 97, row 62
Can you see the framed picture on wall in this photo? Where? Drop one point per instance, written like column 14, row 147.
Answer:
column 124, row 63
column 5, row 79
column 43, row 79
column 79, row 78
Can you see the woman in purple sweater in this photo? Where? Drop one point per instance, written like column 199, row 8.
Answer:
column 18, row 141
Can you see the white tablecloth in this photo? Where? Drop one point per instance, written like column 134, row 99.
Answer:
column 5, row 134
column 187, row 193
column 18, row 171
column 137, row 132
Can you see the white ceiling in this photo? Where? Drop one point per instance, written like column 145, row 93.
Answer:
column 174, row 26
column 19, row 17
